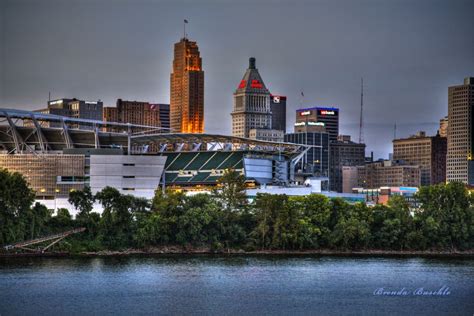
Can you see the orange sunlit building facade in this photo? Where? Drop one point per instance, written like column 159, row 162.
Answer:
column 187, row 89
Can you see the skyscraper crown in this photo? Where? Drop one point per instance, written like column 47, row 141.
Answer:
column 252, row 81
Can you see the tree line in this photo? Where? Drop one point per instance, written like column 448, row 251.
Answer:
column 443, row 219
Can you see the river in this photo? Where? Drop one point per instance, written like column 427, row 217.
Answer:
column 238, row 285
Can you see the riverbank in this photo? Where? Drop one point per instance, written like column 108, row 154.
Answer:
column 174, row 251
column 320, row 252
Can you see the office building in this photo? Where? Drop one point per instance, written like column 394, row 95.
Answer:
column 74, row 108
column 385, row 173
column 251, row 104
column 343, row 152
column 313, row 119
column 383, row 195
column 164, row 110
column 187, row 89
column 350, row 178
column 315, row 161
column 269, row 135
column 136, row 112
column 278, row 109
column 443, row 127
column 427, row 152
column 460, row 163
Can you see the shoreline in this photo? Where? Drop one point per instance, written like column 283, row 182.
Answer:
column 176, row 251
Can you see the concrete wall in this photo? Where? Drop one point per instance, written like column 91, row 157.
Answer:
column 135, row 175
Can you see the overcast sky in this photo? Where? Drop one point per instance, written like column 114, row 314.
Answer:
column 408, row 52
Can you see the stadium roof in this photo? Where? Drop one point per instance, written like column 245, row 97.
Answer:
column 33, row 132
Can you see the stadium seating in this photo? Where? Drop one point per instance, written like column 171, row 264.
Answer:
column 200, row 160
column 181, row 162
column 216, row 160
column 231, row 161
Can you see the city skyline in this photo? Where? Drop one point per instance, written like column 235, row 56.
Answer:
column 406, row 56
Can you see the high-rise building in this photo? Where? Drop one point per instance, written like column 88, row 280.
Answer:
column 74, row 108
column 343, row 152
column 313, row 119
column 278, row 109
column 164, row 110
column 460, row 163
column 251, row 104
column 137, row 112
column 443, row 127
column 315, row 161
column 187, row 89
column 427, row 152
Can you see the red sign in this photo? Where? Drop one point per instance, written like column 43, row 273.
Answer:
column 242, row 84
column 256, row 84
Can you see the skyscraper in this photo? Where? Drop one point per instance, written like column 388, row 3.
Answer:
column 278, row 109
column 460, row 163
column 313, row 119
column 187, row 89
column 251, row 104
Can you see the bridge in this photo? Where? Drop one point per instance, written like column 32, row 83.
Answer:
column 23, row 245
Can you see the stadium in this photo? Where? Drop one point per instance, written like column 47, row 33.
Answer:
column 58, row 154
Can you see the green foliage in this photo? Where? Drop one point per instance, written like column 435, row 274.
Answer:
column 231, row 190
column 444, row 219
column 16, row 199
column 446, row 216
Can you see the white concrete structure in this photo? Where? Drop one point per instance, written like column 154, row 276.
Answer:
column 135, row 175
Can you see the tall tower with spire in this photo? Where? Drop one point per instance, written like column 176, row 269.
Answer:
column 187, row 89
column 251, row 104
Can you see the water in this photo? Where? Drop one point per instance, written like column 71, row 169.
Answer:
column 220, row 285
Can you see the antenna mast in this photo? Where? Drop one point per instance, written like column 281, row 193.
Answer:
column 361, row 121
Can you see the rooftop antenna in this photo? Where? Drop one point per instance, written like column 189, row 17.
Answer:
column 49, row 96
column 361, row 121
column 395, row 130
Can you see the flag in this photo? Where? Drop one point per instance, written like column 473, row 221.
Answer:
column 185, row 21
column 302, row 94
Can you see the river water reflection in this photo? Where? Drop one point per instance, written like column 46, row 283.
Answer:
column 242, row 285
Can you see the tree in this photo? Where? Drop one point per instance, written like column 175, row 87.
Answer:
column 116, row 222
column 446, row 215
column 231, row 190
column 267, row 207
column 82, row 200
column 351, row 227
column 16, row 199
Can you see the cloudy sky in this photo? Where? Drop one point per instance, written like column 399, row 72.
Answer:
column 408, row 52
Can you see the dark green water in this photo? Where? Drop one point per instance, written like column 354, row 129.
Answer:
column 206, row 285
